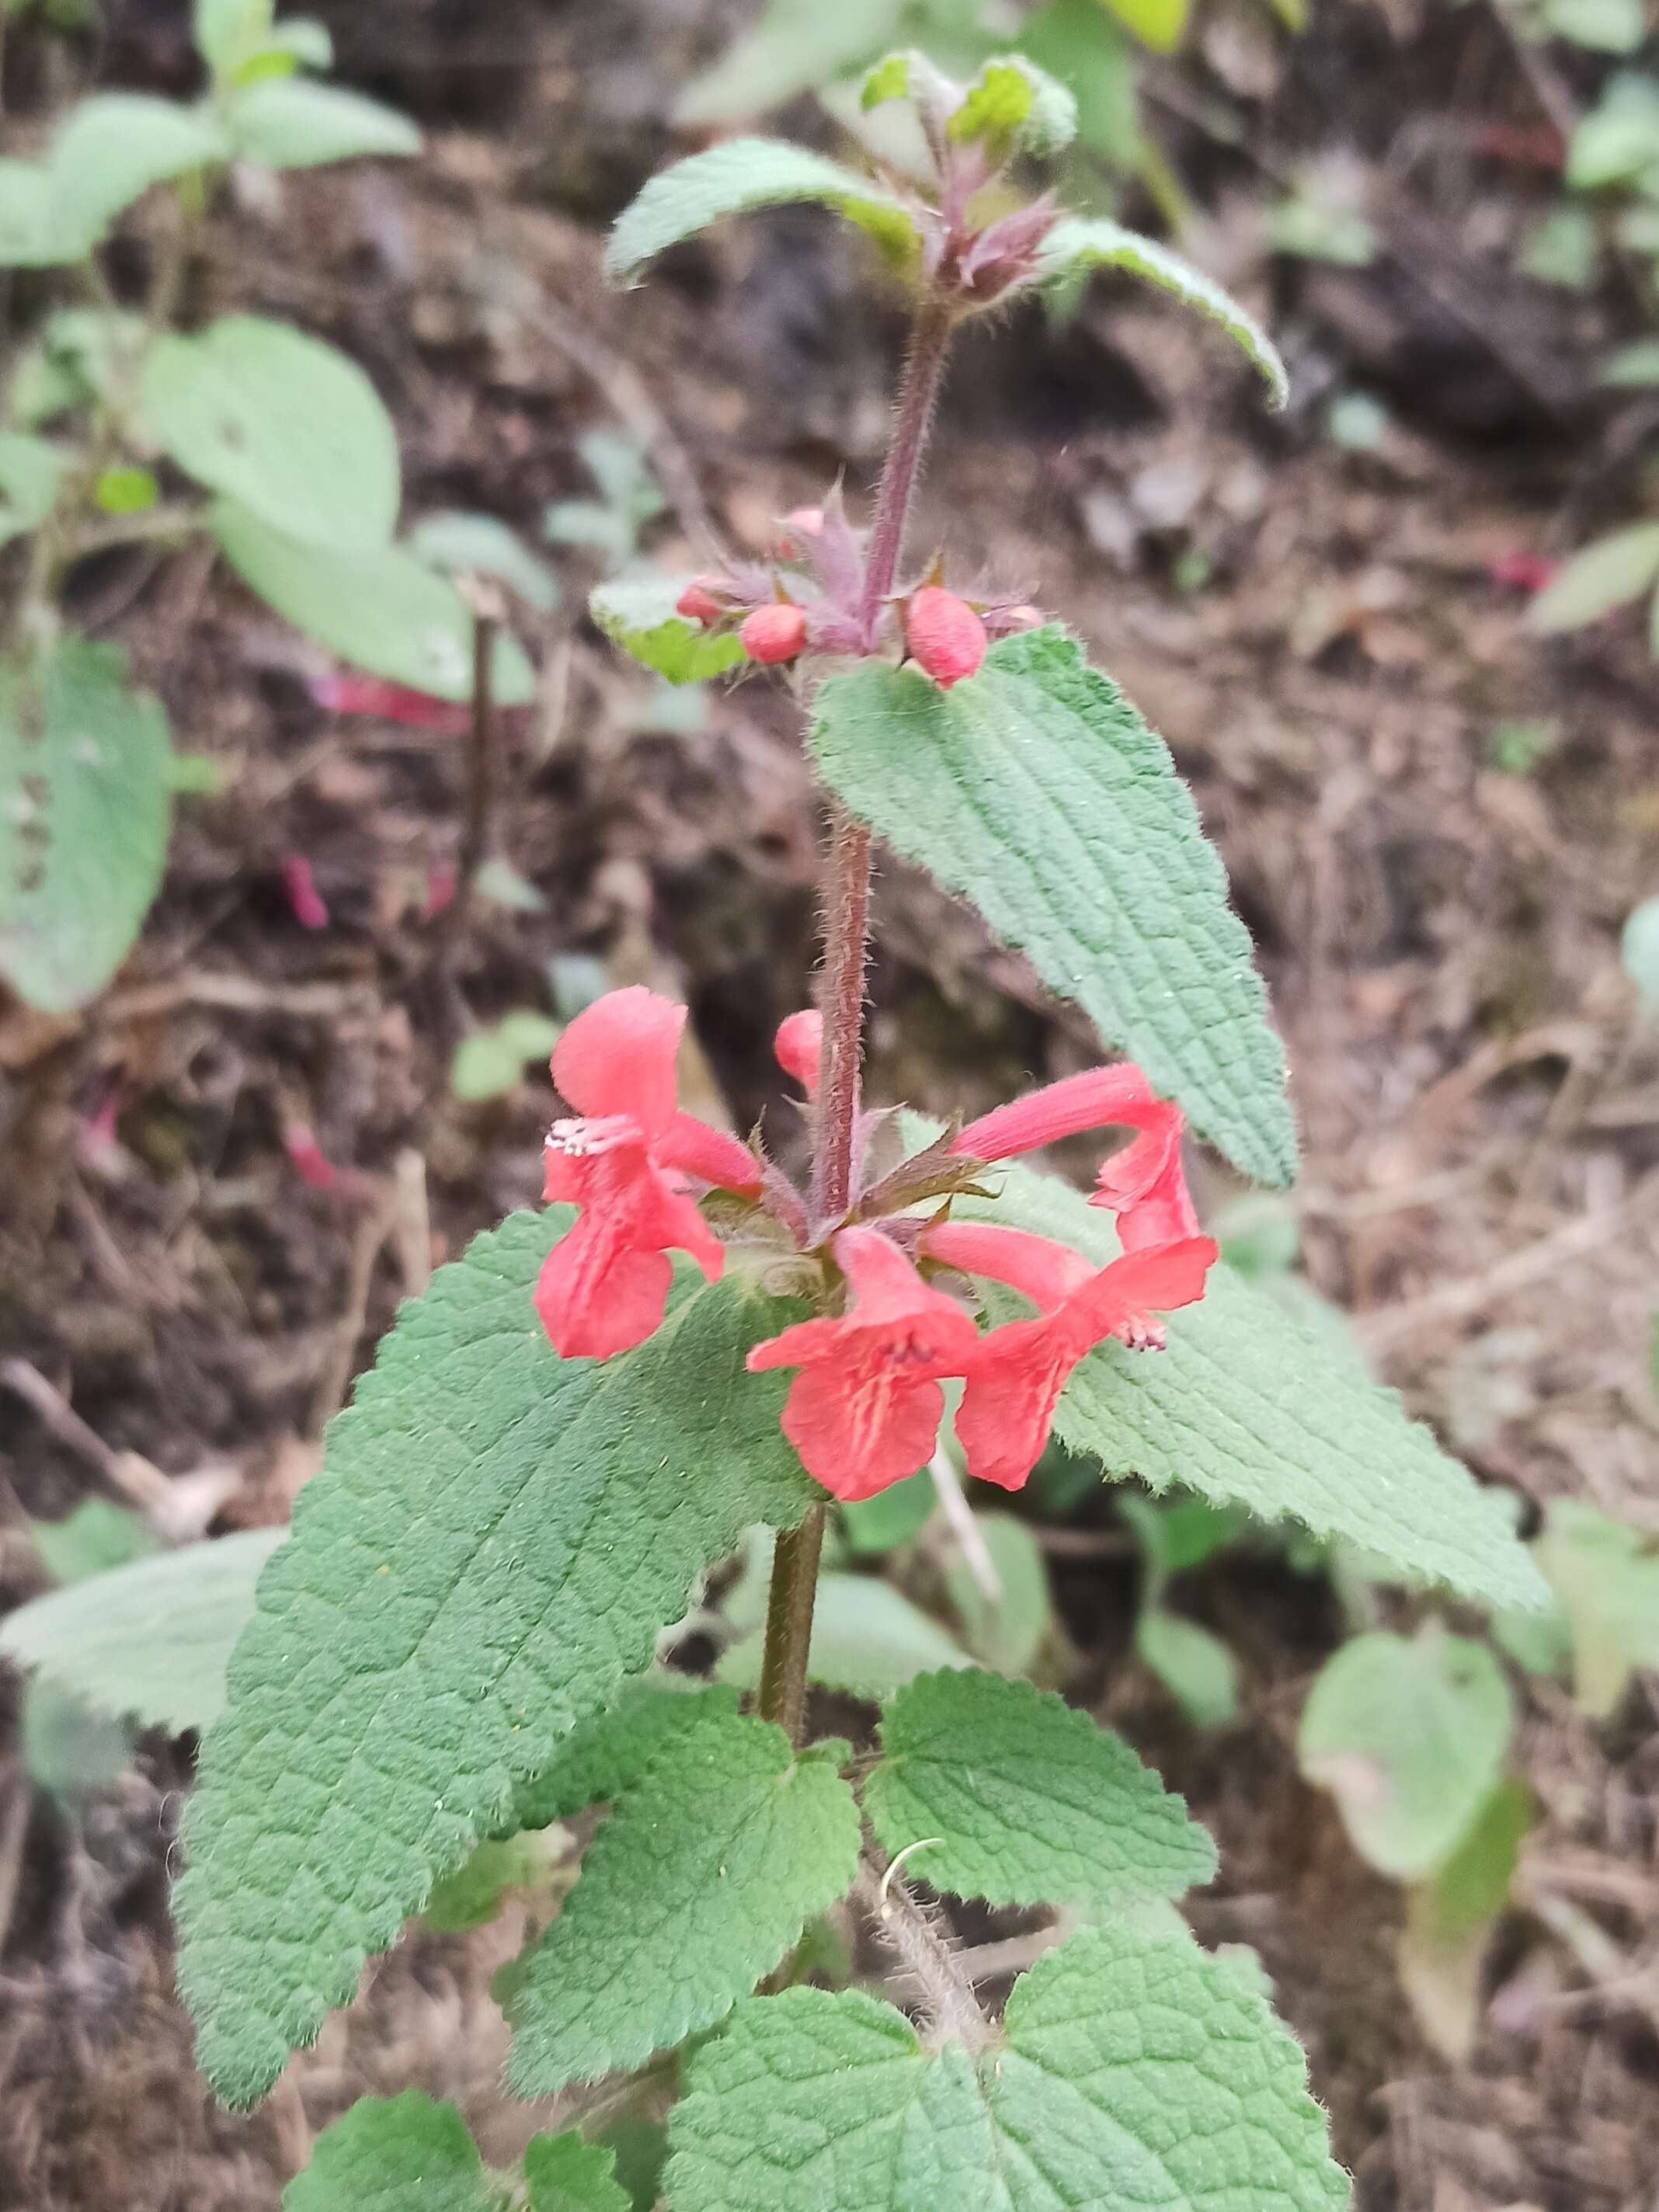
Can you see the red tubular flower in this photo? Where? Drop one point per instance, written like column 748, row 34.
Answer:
column 773, row 633
column 1145, row 1184
column 624, row 1160
column 1018, row 1372
column 799, row 1046
column 946, row 637
column 865, row 1409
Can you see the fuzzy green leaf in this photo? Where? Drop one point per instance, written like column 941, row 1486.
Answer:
column 866, row 1639
column 1014, row 108
column 92, row 1540
column 1410, row 1738
column 612, row 1751
column 1080, row 244
column 225, row 31
column 1605, row 1575
column 495, row 1540
column 110, row 150
column 1036, row 791
column 700, row 1881
column 288, row 123
column 152, row 1639
column 564, row 2173
column 1251, row 1406
column 741, row 174
column 1196, row 1668
column 288, row 428
column 394, row 2154
column 84, row 809
column 637, row 613
column 1032, row 1802
column 29, row 469
column 384, row 611
column 1136, row 2072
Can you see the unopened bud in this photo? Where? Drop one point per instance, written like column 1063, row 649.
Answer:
column 805, row 521
column 946, row 637
column 698, row 605
column 773, row 633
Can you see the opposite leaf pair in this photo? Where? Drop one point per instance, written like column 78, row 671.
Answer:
column 864, row 1411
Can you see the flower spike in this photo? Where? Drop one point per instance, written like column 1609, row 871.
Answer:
column 864, row 1410
column 624, row 1158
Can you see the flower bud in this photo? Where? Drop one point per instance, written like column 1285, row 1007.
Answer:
column 775, row 633
column 946, row 637
column 698, row 605
column 805, row 521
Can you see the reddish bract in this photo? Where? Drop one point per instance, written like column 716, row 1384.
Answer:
column 624, row 1158
column 1016, row 1373
column 946, row 637
column 864, row 1410
column 773, row 633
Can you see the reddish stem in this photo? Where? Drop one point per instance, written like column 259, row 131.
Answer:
column 846, row 942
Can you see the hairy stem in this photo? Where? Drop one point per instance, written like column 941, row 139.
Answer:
column 846, row 942
column 789, row 1624
column 908, row 1930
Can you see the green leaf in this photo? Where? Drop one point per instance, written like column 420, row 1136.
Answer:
column 867, row 1640
column 96, row 1537
column 889, row 79
column 1136, row 2072
column 1178, row 1534
column 29, row 469
column 613, row 1750
column 637, row 613
column 794, row 47
column 1451, row 1917
column 1608, row 575
column 1631, row 368
column 477, row 544
column 489, row 1062
column 394, row 2154
column 84, row 820
column 1410, row 1738
column 126, row 491
column 1156, row 23
column 288, row 122
column 1606, row 1577
column 385, row 611
column 1015, row 107
column 1249, row 1405
column 1602, row 26
column 1080, row 244
column 562, row 2174
column 287, row 427
column 1196, row 1668
column 69, row 1748
column 699, row 1883
column 83, row 352
column 1639, row 952
column 1036, row 791
column 879, row 1524
column 1619, row 141
column 1027, row 1802
column 495, row 1540
column 1076, row 42
column 1006, row 1631
column 225, row 31
column 26, row 239
column 297, row 42
column 152, row 1639
column 110, row 151
column 744, row 173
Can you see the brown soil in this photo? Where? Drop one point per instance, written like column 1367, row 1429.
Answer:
column 1319, row 635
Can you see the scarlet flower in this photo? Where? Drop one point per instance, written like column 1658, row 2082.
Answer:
column 773, row 633
column 624, row 1159
column 865, row 1409
column 946, row 637
column 1017, row 1372
column 798, row 1047
column 1145, row 1184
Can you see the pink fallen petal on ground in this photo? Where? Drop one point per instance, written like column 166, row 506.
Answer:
column 303, row 895
column 307, row 1159
column 1521, row 571
column 346, row 694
